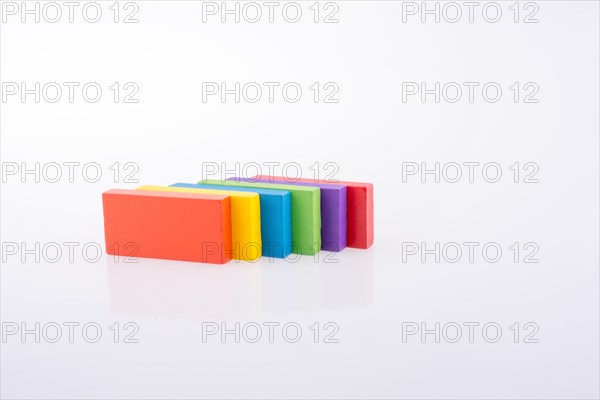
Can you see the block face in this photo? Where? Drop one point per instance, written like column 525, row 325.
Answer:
column 360, row 230
column 172, row 226
column 246, row 239
column 306, row 212
column 360, row 208
column 333, row 212
column 275, row 216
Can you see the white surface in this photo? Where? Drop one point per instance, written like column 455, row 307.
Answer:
column 369, row 134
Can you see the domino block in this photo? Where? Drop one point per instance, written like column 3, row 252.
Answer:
column 360, row 214
column 245, row 219
column 333, row 212
column 275, row 216
column 306, row 212
column 173, row 226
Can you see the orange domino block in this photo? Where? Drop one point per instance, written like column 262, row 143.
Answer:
column 167, row 225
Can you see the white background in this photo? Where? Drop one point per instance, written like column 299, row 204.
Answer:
column 369, row 134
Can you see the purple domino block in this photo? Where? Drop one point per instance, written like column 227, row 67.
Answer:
column 333, row 211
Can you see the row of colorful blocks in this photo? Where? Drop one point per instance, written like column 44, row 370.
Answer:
column 242, row 218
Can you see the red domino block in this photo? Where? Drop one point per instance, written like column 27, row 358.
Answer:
column 168, row 225
column 359, row 211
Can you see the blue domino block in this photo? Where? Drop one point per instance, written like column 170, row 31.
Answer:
column 275, row 216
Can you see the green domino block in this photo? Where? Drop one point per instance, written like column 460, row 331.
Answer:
column 306, row 213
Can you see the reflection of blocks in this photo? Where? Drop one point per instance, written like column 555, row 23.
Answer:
column 174, row 226
column 360, row 207
column 275, row 217
column 245, row 219
column 306, row 213
column 333, row 211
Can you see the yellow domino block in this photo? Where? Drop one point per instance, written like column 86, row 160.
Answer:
column 245, row 219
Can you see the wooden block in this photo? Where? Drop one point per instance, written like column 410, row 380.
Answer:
column 275, row 216
column 245, row 219
column 360, row 214
column 333, row 212
column 173, row 226
column 306, row 213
